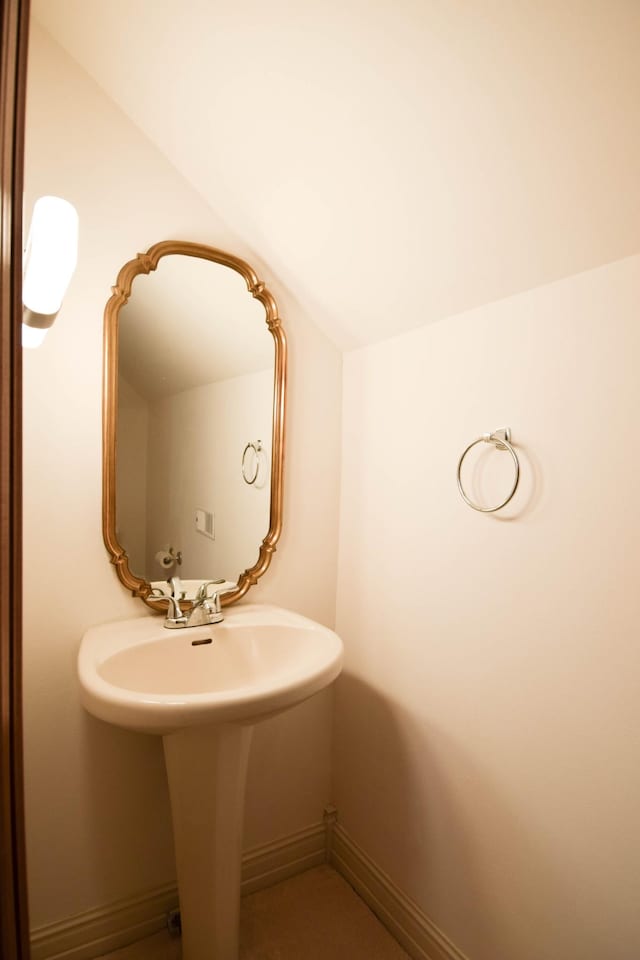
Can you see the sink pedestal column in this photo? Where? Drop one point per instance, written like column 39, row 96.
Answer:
column 207, row 769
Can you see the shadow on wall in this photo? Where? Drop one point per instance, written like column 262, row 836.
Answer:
column 424, row 797
column 127, row 809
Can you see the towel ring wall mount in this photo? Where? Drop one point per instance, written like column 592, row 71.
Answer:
column 501, row 441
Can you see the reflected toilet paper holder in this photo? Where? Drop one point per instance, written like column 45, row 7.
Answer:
column 168, row 558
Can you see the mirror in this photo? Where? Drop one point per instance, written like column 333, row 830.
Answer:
column 193, row 422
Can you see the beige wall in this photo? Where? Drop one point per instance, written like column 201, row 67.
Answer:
column 97, row 810
column 488, row 719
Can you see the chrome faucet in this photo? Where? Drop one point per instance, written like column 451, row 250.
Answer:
column 206, row 607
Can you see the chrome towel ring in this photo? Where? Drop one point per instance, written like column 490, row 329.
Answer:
column 256, row 447
column 500, row 439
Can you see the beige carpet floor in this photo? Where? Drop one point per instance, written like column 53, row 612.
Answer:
column 314, row 916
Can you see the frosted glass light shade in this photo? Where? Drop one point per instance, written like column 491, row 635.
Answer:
column 50, row 257
column 33, row 336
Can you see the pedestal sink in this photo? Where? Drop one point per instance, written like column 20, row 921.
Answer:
column 202, row 689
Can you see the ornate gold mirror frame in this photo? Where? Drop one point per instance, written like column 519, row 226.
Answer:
column 144, row 263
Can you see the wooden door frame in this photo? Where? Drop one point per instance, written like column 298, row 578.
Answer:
column 14, row 21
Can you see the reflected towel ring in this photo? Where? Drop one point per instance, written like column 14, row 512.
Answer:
column 256, row 447
column 500, row 439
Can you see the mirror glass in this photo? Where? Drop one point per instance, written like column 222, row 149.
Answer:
column 193, row 363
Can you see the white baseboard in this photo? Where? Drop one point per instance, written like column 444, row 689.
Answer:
column 273, row 862
column 96, row 932
column 400, row 915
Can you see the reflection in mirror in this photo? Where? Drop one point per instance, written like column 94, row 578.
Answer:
column 195, row 384
column 195, row 435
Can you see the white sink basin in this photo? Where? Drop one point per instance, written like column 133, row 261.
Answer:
column 259, row 661
column 203, row 688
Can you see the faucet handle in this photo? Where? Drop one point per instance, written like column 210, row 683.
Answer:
column 203, row 590
column 175, row 617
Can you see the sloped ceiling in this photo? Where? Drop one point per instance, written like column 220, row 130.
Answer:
column 393, row 161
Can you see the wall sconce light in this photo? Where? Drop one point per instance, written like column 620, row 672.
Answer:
column 49, row 261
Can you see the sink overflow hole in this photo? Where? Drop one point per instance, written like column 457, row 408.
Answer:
column 198, row 643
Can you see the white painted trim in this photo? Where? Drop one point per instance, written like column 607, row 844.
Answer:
column 273, row 862
column 96, row 932
column 400, row 915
